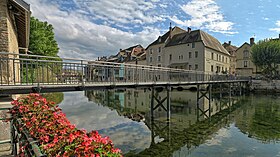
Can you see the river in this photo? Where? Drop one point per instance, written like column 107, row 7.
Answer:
column 246, row 126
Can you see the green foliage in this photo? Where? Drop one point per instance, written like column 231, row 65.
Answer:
column 57, row 97
column 266, row 55
column 42, row 41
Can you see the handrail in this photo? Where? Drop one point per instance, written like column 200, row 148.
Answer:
column 33, row 149
column 98, row 62
column 30, row 70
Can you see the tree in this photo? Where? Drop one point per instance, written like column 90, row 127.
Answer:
column 42, row 41
column 266, row 56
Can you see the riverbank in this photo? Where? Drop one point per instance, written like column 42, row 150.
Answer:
column 264, row 86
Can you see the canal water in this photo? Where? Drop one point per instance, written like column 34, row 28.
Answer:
column 234, row 126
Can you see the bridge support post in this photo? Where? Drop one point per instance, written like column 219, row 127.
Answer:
column 168, row 88
column 160, row 102
column 159, row 127
column 201, row 94
column 152, row 103
column 230, row 90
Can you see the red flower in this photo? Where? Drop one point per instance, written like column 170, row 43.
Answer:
column 49, row 125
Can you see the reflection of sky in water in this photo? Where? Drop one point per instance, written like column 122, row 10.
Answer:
column 134, row 136
column 230, row 142
column 125, row 133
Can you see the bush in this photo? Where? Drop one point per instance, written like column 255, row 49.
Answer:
column 46, row 123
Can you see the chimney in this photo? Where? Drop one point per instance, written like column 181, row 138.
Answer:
column 229, row 42
column 170, row 31
column 189, row 30
column 252, row 41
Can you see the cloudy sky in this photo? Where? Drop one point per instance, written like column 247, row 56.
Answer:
column 91, row 28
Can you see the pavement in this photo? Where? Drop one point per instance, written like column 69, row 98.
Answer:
column 5, row 149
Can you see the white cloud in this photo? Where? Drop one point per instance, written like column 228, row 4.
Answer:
column 265, row 18
column 78, row 37
column 205, row 14
column 125, row 11
column 277, row 28
column 218, row 138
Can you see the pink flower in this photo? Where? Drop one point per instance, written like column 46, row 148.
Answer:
column 49, row 125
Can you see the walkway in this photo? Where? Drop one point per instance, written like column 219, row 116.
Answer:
column 31, row 73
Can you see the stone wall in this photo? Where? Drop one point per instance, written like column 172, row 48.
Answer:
column 9, row 43
column 3, row 26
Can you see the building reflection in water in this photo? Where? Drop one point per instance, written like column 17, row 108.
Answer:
column 125, row 116
column 136, row 105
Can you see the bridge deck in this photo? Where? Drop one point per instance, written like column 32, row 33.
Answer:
column 21, row 89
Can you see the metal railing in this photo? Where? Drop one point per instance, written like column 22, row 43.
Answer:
column 22, row 69
column 20, row 137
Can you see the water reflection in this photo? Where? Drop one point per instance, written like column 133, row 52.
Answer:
column 261, row 119
column 192, row 130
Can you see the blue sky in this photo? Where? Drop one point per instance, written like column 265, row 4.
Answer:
column 92, row 28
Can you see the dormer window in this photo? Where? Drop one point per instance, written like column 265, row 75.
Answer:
column 193, row 45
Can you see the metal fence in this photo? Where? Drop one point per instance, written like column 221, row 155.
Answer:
column 22, row 69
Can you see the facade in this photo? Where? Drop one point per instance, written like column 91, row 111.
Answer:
column 232, row 51
column 14, row 35
column 244, row 64
column 130, row 54
column 155, row 52
column 190, row 50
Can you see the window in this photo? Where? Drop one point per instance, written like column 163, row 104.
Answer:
column 245, row 63
column 181, row 57
column 212, row 68
column 190, row 54
column 151, row 59
column 196, row 54
column 217, row 57
column 151, row 51
column 159, row 49
column 212, row 56
column 193, row 45
column 196, row 67
column 217, row 69
column 245, row 54
column 190, row 67
column 158, row 58
column 223, row 59
column 159, row 65
column 170, row 57
column 226, row 59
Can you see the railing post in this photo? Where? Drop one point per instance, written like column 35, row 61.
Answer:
column 113, row 73
column 82, row 77
column 14, row 70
